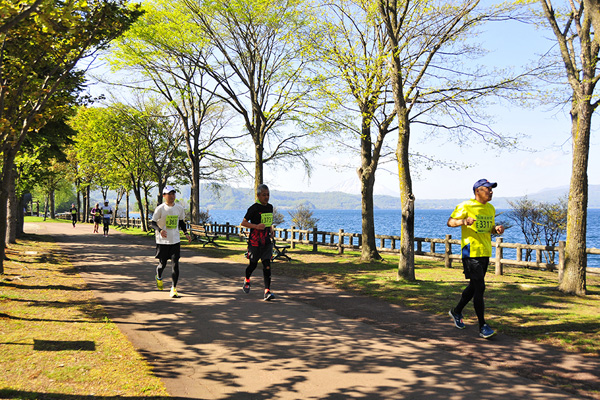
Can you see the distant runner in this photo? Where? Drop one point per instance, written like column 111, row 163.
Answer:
column 167, row 220
column 476, row 219
column 107, row 212
column 73, row 211
column 259, row 219
column 97, row 215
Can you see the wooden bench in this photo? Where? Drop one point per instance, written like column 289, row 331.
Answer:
column 280, row 251
column 201, row 234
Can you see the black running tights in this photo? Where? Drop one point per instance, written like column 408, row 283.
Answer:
column 266, row 271
column 174, row 270
column 474, row 291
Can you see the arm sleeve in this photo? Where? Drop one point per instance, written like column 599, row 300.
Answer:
column 155, row 226
column 182, row 226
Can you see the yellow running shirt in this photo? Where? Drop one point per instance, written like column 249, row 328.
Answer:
column 476, row 240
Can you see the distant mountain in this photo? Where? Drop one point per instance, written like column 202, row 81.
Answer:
column 228, row 198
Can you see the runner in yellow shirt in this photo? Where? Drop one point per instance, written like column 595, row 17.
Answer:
column 476, row 219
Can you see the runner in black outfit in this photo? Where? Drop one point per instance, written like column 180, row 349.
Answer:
column 259, row 219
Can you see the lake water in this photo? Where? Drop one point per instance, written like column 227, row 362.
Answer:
column 428, row 223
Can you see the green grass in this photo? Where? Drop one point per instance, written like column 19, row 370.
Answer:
column 56, row 340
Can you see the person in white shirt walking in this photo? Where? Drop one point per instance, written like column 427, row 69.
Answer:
column 167, row 220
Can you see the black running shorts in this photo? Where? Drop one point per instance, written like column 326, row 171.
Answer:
column 475, row 267
column 256, row 253
column 166, row 252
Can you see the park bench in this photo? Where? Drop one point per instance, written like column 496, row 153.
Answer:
column 201, row 234
column 280, row 251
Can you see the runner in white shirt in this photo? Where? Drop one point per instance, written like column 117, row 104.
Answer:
column 107, row 212
column 167, row 220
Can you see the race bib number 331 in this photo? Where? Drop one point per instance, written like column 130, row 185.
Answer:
column 484, row 223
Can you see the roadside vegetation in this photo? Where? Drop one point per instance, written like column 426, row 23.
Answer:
column 57, row 341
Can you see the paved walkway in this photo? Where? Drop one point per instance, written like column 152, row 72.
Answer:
column 313, row 342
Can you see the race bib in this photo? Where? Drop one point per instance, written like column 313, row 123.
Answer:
column 172, row 221
column 267, row 219
column 105, row 211
column 484, row 223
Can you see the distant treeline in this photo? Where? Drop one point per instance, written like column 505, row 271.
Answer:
column 229, row 198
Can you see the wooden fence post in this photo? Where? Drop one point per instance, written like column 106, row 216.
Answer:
column 292, row 237
column 498, row 255
column 341, row 242
column 314, row 239
column 227, row 230
column 447, row 252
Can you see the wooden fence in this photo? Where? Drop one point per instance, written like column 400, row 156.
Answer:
column 446, row 249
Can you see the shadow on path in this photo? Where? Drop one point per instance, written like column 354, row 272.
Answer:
column 313, row 342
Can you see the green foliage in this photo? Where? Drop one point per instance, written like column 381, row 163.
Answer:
column 302, row 217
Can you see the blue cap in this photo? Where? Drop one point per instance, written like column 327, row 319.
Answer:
column 484, row 183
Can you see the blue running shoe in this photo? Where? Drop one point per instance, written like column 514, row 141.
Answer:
column 457, row 318
column 486, row 332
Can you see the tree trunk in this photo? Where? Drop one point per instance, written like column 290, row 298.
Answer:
column 138, row 196
column 196, row 188
column 7, row 164
column 406, row 264
column 11, row 221
column 52, row 205
column 147, row 211
column 127, row 207
column 574, row 273
column 78, row 204
column 369, row 245
column 258, row 165
column 21, row 217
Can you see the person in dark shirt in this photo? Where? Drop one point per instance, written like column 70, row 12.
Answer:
column 259, row 218
column 73, row 212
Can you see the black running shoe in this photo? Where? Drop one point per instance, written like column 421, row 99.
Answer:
column 269, row 296
column 246, row 287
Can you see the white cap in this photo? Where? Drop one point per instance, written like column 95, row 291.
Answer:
column 168, row 189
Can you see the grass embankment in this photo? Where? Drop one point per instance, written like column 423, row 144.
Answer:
column 56, row 340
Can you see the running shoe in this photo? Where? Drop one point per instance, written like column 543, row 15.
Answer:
column 486, row 332
column 159, row 283
column 457, row 318
column 174, row 292
column 269, row 296
column 246, row 287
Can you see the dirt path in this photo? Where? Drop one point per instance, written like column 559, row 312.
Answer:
column 313, row 342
